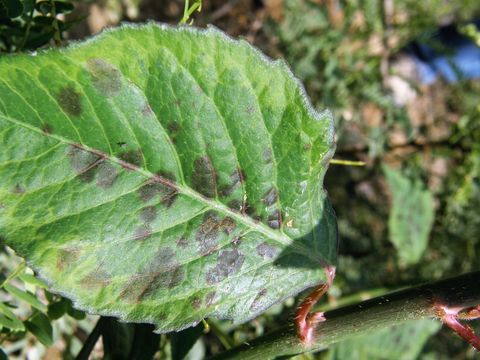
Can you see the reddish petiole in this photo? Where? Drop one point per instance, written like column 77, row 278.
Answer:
column 451, row 316
column 305, row 321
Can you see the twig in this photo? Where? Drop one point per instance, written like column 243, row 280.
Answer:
column 347, row 162
column 374, row 314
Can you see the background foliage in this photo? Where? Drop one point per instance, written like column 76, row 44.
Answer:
column 347, row 53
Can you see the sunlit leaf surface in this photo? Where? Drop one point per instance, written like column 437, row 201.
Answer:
column 164, row 175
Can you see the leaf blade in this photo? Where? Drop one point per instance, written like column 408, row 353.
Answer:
column 218, row 203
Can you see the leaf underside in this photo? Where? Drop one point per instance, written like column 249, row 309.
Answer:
column 164, row 175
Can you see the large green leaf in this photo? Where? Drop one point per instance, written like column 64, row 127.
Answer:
column 411, row 216
column 164, row 175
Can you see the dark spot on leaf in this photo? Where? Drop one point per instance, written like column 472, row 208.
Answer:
column 210, row 298
column 152, row 189
column 229, row 262
column 69, row 100
column 182, row 242
column 122, row 144
column 164, row 273
column 207, row 234
column 146, row 110
column 267, row 251
column 67, row 256
column 169, row 198
column 307, row 146
column 228, row 225
column 225, row 190
column 274, row 221
column 84, row 163
column 270, row 197
column 161, row 316
column 164, row 259
column 251, row 211
column 18, row 189
column 142, row 232
column 167, row 175
column 105, row 77
column 148, row 214
column 209, row 231
column 133, row 157
column 196, row 303
column 267, row 155
column 47, row 129
column 98, row 278
column 236, row 240
column 250, row 110
column 165, row 280
column 204, row 177
column 174, row 128
column 236, row 205
column 106, row 175
column 257, row 301
column 236, row 179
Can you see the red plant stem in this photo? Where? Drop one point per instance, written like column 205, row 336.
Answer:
column 306, row 322
column 450, row 317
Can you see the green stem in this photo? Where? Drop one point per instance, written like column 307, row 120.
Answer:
column 226, row 340
column 189, row 10
column 14, row 274
column 56, row 37
column 374, row 314
column 27, row 29
column 347, row 162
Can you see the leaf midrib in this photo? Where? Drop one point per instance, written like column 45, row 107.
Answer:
column 280, row 237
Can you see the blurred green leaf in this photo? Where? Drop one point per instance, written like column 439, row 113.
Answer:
column 40, row 326
column 32, row 280
column 44, row 7
column 57, row 309
column 43, row 20
column 9, row 319
column 61, row 7
column 25, row 296
column 411, row 216
column 11, row 8
column 402, row 342
column 64, row 7
column 3, row 356
column 75, row 313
